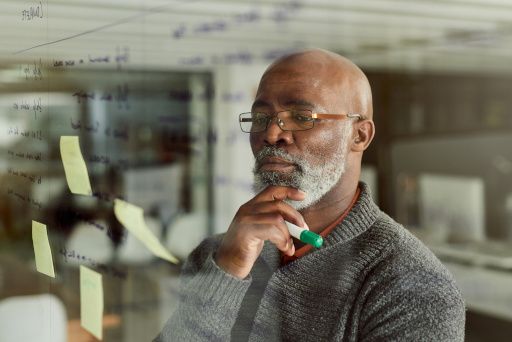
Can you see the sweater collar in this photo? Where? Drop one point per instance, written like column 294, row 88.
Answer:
column 363, row 215
column 358, row 220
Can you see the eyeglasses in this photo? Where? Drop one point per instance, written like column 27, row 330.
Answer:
column 287, row 120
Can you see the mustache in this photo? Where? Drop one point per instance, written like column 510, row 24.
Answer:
column 272, row 151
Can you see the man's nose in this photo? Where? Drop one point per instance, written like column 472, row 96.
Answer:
column 274, row 135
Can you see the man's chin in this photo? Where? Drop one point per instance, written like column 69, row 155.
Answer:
column 264, row 179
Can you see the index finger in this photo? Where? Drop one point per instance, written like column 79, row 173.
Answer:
column 280, row 193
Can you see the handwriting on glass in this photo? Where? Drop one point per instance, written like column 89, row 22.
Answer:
column 33, row 71
column 120, row 96
column 33, row 12
column 120, row 58
column 120, row 133
column 27, row 105
column 14, row 130
column 22, row 174
column 24, row 198
column 239, row 57
column 25, row 155
column 101, row 267
column 280, row 13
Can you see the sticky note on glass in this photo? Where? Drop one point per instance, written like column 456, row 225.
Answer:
column 74, row 166
column 42, row 250
column 132, row 217
column 91, row 301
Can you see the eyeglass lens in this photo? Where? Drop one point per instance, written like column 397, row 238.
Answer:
column 297, row 120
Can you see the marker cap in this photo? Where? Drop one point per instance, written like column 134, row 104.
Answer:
column 311, row 238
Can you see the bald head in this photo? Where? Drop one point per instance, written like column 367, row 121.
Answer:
column 335, row 73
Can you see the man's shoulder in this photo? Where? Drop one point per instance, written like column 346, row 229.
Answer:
column 405, row 256
column 407, row 283
column 400, row 241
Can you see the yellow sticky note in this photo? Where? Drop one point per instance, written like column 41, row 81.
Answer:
column 132, row 217
column 74, row 166
column 91, row 301
column 42, row 250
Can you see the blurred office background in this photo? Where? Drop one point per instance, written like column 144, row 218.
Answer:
column 153, row 89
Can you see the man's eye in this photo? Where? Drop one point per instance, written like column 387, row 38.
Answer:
column 258, row 119
column 297, row 116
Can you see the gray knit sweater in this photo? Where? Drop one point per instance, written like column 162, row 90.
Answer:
column 371, row 281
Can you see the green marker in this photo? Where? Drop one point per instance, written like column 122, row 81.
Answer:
column 305, row 235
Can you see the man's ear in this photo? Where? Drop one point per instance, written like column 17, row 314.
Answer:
column 363, row 135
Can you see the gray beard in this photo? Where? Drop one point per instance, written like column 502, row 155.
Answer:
column 315, row 181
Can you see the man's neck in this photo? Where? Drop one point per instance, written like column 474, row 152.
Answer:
column 330, row 207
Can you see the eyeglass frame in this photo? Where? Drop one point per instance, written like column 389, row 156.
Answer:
column 314, row 116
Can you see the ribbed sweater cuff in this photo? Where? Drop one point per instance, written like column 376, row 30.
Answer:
column 217, row 287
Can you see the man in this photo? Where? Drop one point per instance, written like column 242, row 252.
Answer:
column 370, row 281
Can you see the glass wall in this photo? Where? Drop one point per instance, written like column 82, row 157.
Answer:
column 144, row 96
column 143, row 138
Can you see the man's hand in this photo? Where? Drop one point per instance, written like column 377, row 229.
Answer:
column 262, row 218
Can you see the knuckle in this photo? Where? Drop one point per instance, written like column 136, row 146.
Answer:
column 242, row 208
column 283, row 207
column 280, row 205
column 279, row 238
column 276, row 218
column 242, row 219
column 284, row 241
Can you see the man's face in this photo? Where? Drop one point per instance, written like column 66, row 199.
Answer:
column 313, row 160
